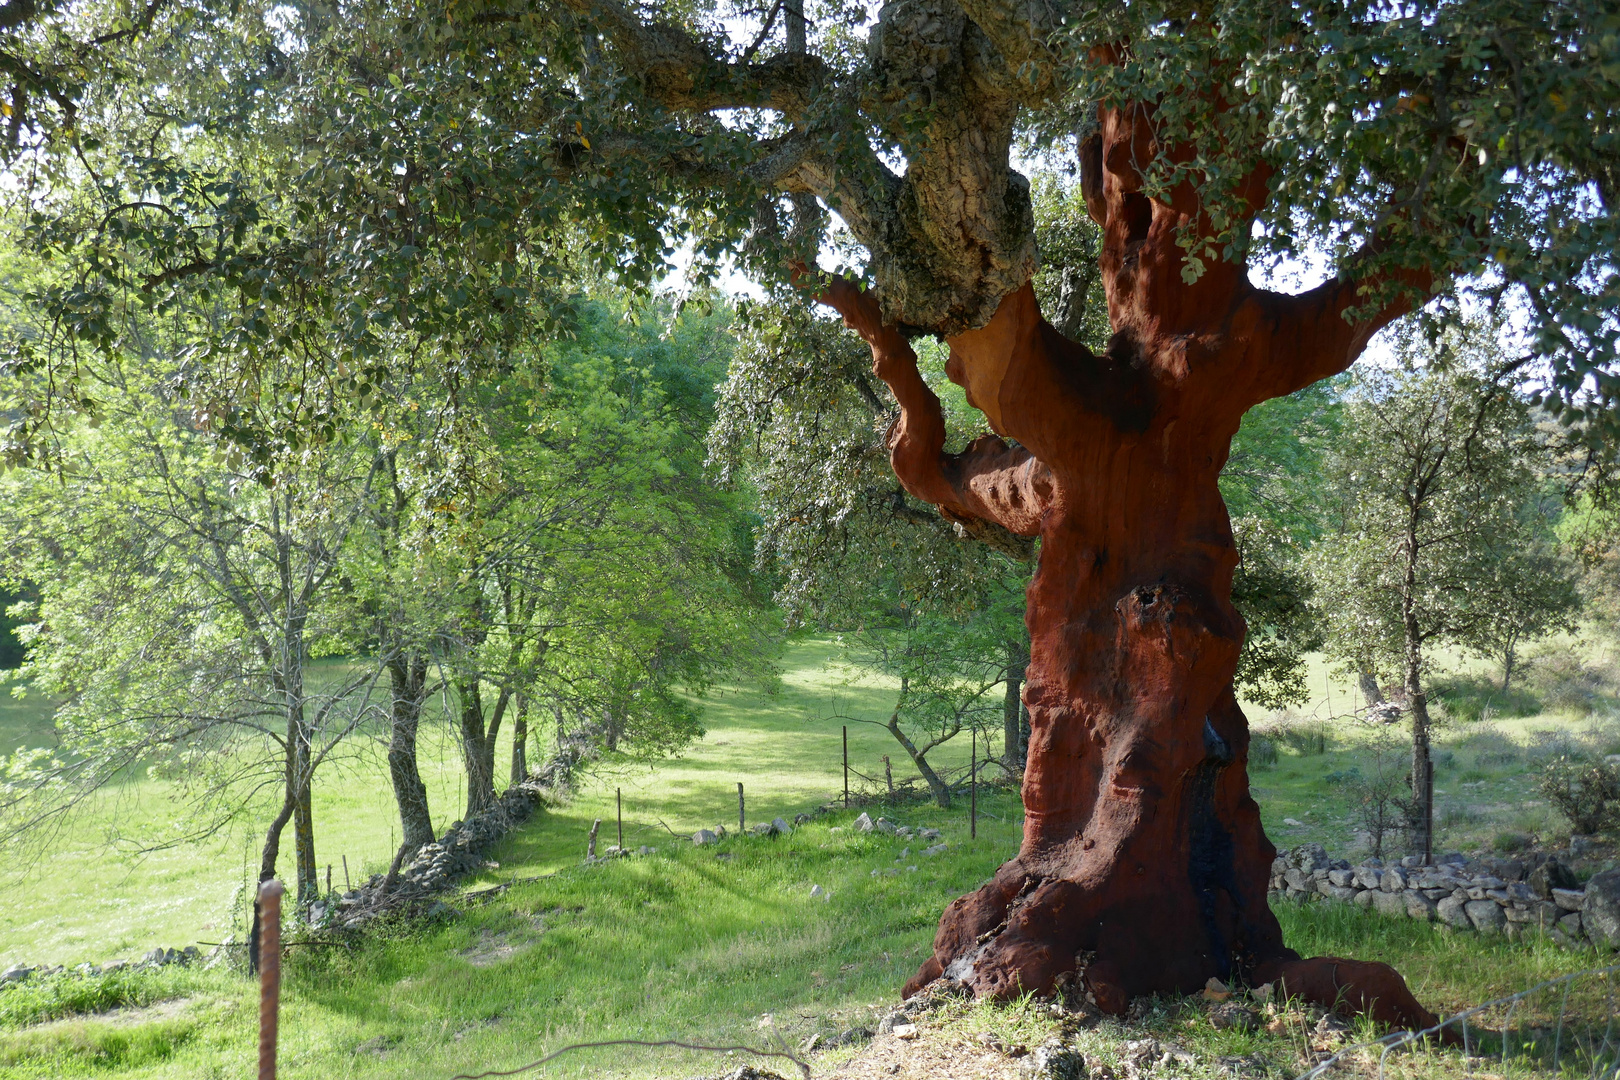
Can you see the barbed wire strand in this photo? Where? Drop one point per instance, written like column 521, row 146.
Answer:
column 804, row 1068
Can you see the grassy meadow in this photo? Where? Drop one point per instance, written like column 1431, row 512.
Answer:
column 713, row 945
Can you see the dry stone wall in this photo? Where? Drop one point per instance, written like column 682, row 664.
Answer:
column 1514, row 897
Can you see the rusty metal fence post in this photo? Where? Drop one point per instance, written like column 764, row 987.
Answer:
column 270, row 893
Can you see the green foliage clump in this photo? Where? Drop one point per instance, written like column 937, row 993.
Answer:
column 1471, row 698
column 1586, row 792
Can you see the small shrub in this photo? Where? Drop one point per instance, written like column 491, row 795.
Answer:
column 1453, row 814
column 1491, row 749
column 1567, row 683
column 1343, row 776
column 1586, row 792
column 1307, row 739
column 1444, row 760
column 1376, row 798
column 1470, row 699
column 1262, row 752
column 1506, row 842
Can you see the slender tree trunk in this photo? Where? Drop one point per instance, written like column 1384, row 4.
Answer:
column 919, row 758
column 520, row 740
column 407, row 673
column 1012, row 709
column 1421, row 837
column 1509, row 655
column 1369, row 686
column 477, row 750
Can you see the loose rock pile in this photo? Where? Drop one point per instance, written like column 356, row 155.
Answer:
column 1510, row 897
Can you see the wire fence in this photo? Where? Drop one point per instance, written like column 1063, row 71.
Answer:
column 1564, row 1027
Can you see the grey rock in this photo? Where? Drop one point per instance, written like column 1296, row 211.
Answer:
column 1452, row 858
column 1437, row 894
column 817, row 892
column 1309, row 858
column 886, row 827
column 780, row 827
column 1419, row 906
column 17, row 973
column 1569, row 899
column 1368, row 877
column 928, row 834
column 1600, row 912
column 1486, row 915
column 1571, row 926
column 1394, row 880
column 1364, row 898
column 935, row 850
column 1544, row 914
column 863, row 823
column 1232, row 1015
column 1451, row 912
column 1411, row 862
column 1299, row 880
column 1341, row 877
column 1344, row 894
column 1320, row 875
column 114, row 965
column 155, row 958
column 1389, row 903
column 1053, row 1060
column 704, row 836
column 1551, row 875
column 1279, row 866
column 1488, row 882
column 801, row 819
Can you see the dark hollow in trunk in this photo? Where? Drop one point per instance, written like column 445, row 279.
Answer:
column 1143, row 863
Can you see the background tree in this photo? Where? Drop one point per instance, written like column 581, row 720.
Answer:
column 1441, row 535
column 182, row 606
column 445, row 166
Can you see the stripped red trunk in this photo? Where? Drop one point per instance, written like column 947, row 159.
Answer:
column 1143, row 861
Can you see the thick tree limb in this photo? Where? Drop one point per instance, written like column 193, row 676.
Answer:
column 679, row 72
column 990, row 481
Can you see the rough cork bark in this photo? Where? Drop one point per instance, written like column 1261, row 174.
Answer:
column 1143, row 862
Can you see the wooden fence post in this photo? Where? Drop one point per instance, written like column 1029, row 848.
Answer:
column 973, row 790
column 590, row 845
column 846, row 766
column 618, row 798
column 346, row 886
column 270, row 894
column 742, row 819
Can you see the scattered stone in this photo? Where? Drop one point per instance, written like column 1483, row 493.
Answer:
column 864, row 823
column 704, row 836
column 935, row 850
column 885, row 826
column 1570, row 925
column 818, row 893
column 1295, row 824
column 800, row 819
column 849, row 1038
column 928, row 834
column 780, row 827
column 905, row 1031
column 1234, row 1016
column 1054, row 1060
column 15, row 974
column 1342, row 878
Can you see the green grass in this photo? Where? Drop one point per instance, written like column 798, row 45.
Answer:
column 86, row 899
column 681, row 943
